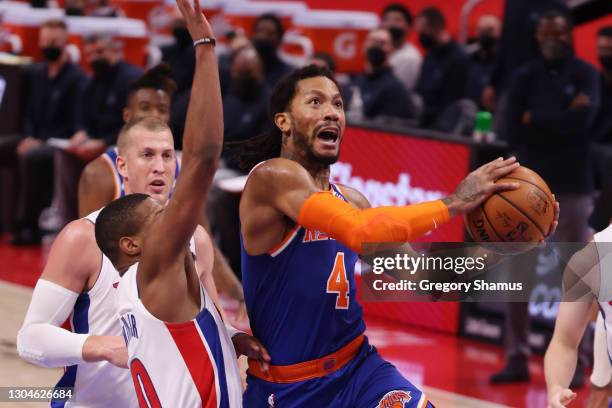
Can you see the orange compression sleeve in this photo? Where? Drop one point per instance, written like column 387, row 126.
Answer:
column 352, row 226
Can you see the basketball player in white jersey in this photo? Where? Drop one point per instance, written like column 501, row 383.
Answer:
column 78, row 284
column 180, row 353
column 103, row 181
column 590, row 271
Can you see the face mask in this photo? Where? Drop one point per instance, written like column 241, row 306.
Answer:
column 101, row 67
column 51, row 53
column 397, row 34
column 181, row 35
column 606, row 62
column 376, row 56
column 74, row 11
column 427, row 41
column 554, row 50
column 265, row 48
column 487, row 42
column 245, row 86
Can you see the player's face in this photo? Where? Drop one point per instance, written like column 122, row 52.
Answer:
column 148, row 102
column 317, row 120
column 149, row 164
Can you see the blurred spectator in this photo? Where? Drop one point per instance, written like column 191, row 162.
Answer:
column 483, row 56
column 180, row 55
column 381, row 92
column 106, row 94
column 324, row 60
column 602, row 135
column 74, row 7
column 236, row 40
column 100, row 122
column 53, row 95
column 267, row 38
column 102, row 8
column 245, row 102
column 444, row 71
column 516, row 47
column 551, row 104
column 405, row 59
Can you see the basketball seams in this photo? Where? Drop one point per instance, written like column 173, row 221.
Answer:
column 528, row 182
column 520, row 210
column 484, row 212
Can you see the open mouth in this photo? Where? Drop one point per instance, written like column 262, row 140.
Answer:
column 157, row 185
column 328, row 134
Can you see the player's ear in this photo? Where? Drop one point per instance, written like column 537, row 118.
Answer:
column 121, row 165
column 127, row 116
column 282, row 121
column 130, row 246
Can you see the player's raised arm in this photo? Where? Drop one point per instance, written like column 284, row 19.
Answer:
column 202, row 143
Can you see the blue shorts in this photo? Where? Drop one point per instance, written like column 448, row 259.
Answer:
column 366, row 381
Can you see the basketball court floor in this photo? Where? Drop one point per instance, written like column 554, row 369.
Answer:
column 452, row 371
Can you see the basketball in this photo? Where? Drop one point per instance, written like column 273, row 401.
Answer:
column 521, row 216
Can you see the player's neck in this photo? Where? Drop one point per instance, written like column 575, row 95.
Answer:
column 318, row 171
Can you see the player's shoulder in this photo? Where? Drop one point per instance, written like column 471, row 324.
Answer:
column 97, row 168
column 74, row 255
column 78, row 231
column 354, row 196
column 278, row 172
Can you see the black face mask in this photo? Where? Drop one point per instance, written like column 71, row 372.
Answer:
column 51, row 53
column 487, row 42
column 266, row 49
column 606, row 62
column 74, row 11
column 245, row 86
column 554, row 51
column 397, row 34
column 376, row 57
column 101, row 67
column 427, row 41
column 181, row 35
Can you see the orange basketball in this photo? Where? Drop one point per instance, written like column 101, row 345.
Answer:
column 518, row 216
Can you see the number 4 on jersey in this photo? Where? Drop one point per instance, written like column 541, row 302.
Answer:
column 338, row 283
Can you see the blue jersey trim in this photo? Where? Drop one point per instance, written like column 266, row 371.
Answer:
column 207, row 324
column 80, row 324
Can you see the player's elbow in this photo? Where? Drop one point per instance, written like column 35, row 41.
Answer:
column 29, row 347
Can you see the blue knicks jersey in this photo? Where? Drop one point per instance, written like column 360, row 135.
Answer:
column 302, row 297
column 110, row 156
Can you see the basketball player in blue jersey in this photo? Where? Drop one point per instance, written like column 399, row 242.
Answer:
column 102, row 180
column 301, row 238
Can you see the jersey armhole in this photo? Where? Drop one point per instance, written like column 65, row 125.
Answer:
column 116, row 180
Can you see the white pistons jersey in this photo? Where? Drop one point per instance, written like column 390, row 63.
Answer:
column 603, row 241
column 190, row 364
column 99, row 384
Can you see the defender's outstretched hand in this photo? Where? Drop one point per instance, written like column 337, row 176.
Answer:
column 479, row 185
column 197, row 24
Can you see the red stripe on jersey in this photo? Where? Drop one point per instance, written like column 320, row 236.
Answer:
column 198, row 362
